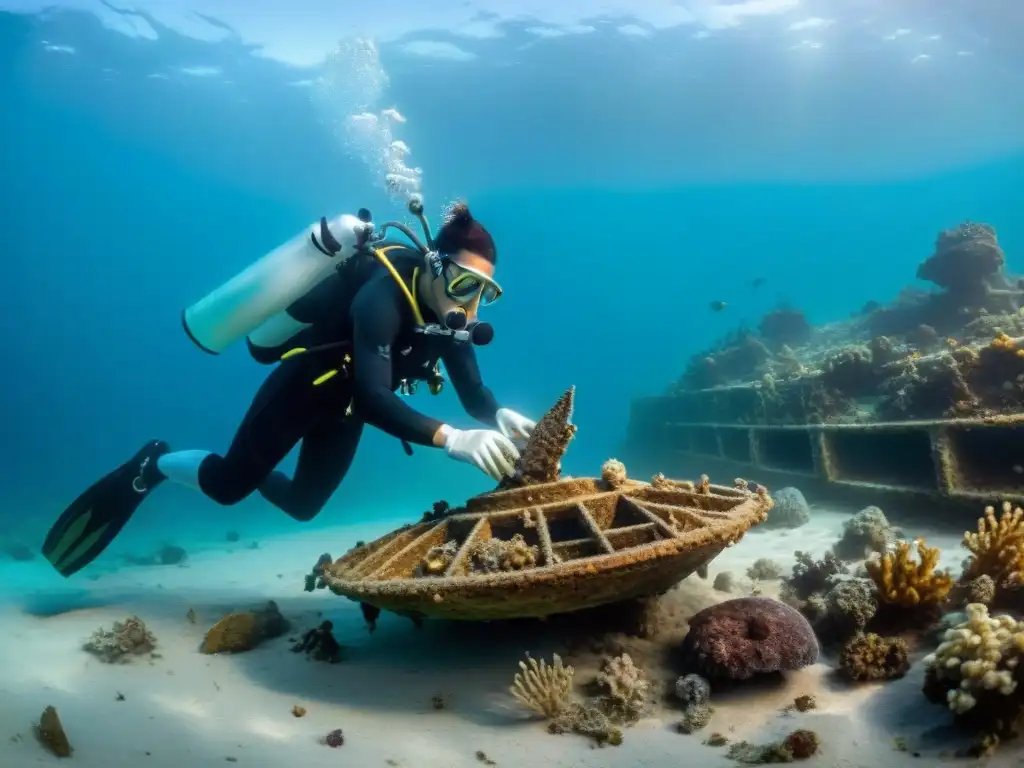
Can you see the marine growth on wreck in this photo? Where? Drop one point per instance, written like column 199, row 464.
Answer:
column 944, row 347
column 543, row 544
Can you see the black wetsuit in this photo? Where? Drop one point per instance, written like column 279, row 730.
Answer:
column 364, row 306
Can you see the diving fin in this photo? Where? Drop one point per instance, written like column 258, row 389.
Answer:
column 94, row 519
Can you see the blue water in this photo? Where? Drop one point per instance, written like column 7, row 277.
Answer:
column 125, row 197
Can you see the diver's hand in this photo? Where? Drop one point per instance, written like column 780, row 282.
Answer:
column 513, row 425
column 485, row 449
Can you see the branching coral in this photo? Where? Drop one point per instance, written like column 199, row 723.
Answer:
column 902, row 581
column 625, row 689
column 811, row 577
column 978, row 659
column 497, row 555
column 541, row 459
column 872, row 658
column 997, row 549
column 127, row 638
column 543, row 688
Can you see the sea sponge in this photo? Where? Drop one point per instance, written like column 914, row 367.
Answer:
column 244, row 630
column 866, row 532
column 127, row 638
column 872, row 658
column 543, row 688
column 997, row 549
column 977, row 670
column 613, row 472
column 498, row 555
column 625, row 689
column 981, row 590
column 748, row 636
column 903, row 582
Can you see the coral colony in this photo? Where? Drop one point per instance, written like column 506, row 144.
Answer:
column 877, row 606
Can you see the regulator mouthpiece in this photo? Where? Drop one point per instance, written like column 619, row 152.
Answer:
column 481, row 334
column 455, row 320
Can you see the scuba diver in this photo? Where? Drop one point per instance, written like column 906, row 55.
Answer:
column 350, row 318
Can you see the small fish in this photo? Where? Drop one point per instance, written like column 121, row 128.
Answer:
column 757, row 282
column 718, row 306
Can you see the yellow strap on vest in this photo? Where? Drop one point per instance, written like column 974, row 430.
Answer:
column 410, row 295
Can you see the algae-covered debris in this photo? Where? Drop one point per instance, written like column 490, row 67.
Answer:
column 124, row 640
column 320, row 644
column 50, row 732
column 801, row 744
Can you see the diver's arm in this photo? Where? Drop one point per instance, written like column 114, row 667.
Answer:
column 477, row 400
column 376, row 321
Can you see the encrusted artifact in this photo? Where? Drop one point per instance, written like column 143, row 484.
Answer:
column 541, row 545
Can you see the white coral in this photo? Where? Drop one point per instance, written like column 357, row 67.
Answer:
column 613, row 472
column 127, row 638
column 980, row 655
column 625, row 686
column 542, row 687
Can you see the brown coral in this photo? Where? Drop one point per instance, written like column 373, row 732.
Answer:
column 244, row 630
column 541, row 459
column 871, row 658
column 997, row 549
column 904, row 582
column 498, row 555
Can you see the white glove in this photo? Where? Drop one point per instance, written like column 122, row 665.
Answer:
column 514, row 426
column 485, row 449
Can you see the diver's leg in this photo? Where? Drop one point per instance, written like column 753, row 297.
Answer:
column 324, row 460
column 279, row 415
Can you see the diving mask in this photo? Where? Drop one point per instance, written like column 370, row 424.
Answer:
column 463, row 284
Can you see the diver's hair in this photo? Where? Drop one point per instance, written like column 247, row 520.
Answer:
column 461, row 231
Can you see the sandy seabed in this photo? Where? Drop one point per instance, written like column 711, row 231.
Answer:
column 184, row 708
